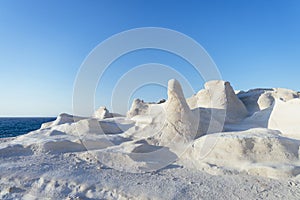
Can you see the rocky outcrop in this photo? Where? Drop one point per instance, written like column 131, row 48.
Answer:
column 181, row 124
column 256, row 151
column 138, row 107
column 285, row 117
column 102, row 113
column 220, row 97
column 260, row 99
column 62, row 118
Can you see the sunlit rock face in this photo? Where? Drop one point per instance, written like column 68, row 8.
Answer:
column 216, row 130
column 181, row 125
column 102, row 113
column 220, row 97
column 138, row 107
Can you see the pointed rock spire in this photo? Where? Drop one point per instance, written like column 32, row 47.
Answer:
column 181, row 124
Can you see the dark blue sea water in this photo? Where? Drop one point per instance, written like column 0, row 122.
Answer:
column 10, row 127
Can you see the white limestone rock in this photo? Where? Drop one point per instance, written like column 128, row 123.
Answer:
column 261, row 152
column 62, row 118
column 181, row 124
column 220, row 97
column 138, row 107
column 285, row 117
column 102, row 113
column 260, row 99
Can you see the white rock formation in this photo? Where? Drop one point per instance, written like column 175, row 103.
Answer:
column 285, row 117
column 181, row 124
column 221, row 98
column 62, row 118
column 102, row 113
column 260, row 99
column 138, row 107
column 261, row 136
column 256, row 151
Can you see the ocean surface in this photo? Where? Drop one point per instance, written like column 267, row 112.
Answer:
column 11, row 126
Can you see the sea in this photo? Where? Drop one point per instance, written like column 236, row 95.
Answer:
column 14, row 126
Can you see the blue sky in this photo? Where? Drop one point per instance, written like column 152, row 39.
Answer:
column 43, row 43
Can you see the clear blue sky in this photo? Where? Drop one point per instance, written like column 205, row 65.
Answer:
column 43, row 43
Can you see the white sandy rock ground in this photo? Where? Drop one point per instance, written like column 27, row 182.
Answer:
column 217, row 144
